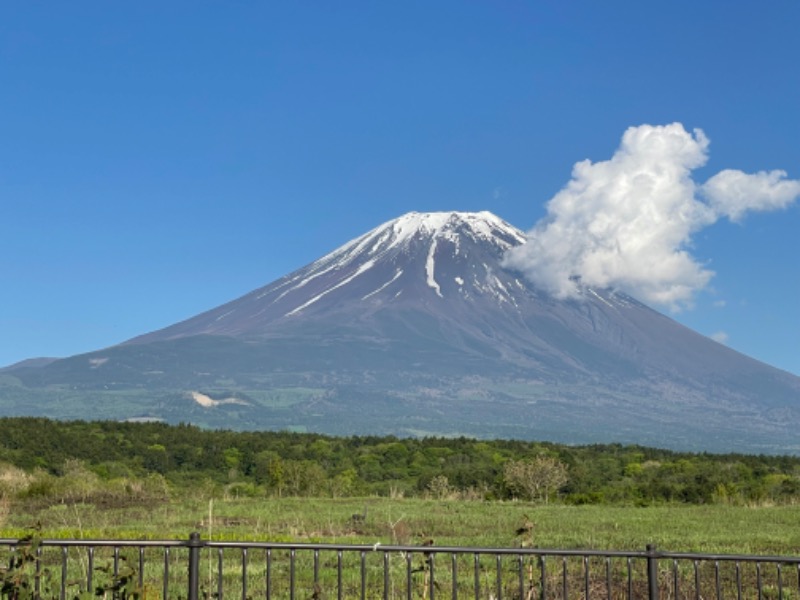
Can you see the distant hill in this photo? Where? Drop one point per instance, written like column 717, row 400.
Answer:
column 30, row 362
column 416, row 328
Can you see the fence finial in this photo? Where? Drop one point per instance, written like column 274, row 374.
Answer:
column 652, row 572
column 195, row 543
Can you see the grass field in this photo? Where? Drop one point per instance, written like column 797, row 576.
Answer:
column 770, row 530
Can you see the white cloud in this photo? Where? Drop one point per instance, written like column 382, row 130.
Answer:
column 732, row 193
column 628, row 222
column 720, row 336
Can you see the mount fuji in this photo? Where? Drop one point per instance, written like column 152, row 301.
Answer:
column 417, row 328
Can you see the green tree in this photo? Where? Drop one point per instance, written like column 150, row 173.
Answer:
column 344, row 483
column 303, row 477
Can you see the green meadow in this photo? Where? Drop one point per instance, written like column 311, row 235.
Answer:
column 767, row 530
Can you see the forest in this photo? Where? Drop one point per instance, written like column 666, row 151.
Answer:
column 106, row 462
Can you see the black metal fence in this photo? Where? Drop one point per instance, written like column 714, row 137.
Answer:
column 196, row 568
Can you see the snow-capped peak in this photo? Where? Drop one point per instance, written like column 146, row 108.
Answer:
column 482, row 225
column 427, row 234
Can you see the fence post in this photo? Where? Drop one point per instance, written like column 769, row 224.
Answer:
column 652, row 572
column 194, row 566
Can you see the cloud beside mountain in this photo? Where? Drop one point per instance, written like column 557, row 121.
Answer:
column 628, row 222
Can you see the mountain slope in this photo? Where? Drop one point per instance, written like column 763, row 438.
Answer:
column 416, row 328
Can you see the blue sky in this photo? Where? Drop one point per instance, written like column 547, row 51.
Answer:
column 158, row 159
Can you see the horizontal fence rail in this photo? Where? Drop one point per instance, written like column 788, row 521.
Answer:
column 197, row 568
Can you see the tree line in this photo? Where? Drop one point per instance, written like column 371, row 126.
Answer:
column 88, row 461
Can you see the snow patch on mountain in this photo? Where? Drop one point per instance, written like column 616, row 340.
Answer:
column 365, row 267
column 226, row 314
column 385, row 285
column 208, row 402
column 430, row 267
